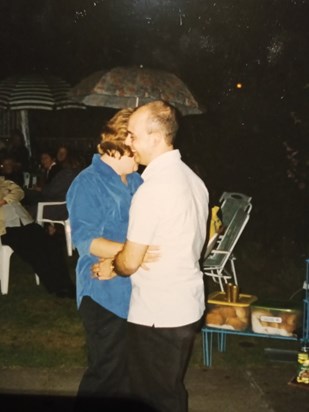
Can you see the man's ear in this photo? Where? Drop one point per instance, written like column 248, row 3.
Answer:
column 157, row 137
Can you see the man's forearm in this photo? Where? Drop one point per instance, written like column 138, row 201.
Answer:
column 122, row 265
column 127, row 261
column 130, row 258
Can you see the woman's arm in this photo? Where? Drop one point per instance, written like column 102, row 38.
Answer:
column 87, row 219
column 104, row 248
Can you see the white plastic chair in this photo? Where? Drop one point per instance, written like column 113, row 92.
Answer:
column 5, row 260
column 65, row 223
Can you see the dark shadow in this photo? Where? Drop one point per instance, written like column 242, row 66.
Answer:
column 68, row 403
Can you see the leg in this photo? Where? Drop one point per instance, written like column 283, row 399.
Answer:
column 33, row 245
column 157, row 360
column 106, row 343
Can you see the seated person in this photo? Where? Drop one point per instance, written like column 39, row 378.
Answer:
column 62, row 154
column 49, row 170
column 29, row 240
column 56, row 190
column 50, row 166
column 11, row 171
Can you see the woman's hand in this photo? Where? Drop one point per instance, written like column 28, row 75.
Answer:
column 103, row 269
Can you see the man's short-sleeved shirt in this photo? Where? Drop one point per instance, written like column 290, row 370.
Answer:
column 170, row 209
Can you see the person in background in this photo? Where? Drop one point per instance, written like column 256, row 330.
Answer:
column 170, row 209
column 62, row 154
column 30, row 241
column 18, row 151
column 50, row 167
column 98, row 202
column 55, row 190
column 11, row 171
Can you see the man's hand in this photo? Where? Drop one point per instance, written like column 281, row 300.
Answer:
column 103, row 269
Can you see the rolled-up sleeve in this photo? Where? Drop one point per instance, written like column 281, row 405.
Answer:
column 86, row 223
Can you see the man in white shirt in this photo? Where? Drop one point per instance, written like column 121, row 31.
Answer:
column 170, row 209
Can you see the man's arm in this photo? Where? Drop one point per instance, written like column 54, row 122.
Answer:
column 130, row 258
column 104, row 268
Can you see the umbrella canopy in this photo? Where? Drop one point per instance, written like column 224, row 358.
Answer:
column 133, row 86
column 35, row 91
column 43, row 92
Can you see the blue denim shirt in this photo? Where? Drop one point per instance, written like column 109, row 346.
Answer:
column 98, row 204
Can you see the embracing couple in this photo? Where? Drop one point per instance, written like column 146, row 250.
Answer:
column 140, row 290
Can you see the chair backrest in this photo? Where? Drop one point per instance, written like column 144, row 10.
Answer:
column 227, row 242
column 40, row 219
column 43, row 207
column 230, row 202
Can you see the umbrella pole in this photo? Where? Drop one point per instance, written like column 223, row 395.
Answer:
column 24, row 124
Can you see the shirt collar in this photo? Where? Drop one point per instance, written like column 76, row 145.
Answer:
column 53, row 164
column 101, row 166
column 105, row 170
column 158, row 162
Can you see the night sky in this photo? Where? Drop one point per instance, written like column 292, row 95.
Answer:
column 211, row 45
column 253, row 138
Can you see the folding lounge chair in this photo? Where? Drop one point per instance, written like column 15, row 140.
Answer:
column 214, row 265
column 230, row 202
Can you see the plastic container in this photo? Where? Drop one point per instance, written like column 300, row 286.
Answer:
column 276, row 318
column 229, row 315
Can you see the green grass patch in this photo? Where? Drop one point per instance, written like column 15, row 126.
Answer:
column 39, row 330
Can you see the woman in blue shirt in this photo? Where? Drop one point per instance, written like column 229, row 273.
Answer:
column 98, row 203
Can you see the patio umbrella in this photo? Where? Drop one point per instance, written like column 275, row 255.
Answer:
column 35, row 92
column 44, row 92
column 133, row 86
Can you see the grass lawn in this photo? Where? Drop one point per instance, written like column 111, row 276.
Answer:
column 38, row 330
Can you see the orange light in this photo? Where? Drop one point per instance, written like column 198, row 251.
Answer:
column 239, row 85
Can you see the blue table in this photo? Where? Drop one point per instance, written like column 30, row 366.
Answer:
column 208, row 332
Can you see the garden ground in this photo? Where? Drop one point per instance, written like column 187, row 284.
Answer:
column 42, row 353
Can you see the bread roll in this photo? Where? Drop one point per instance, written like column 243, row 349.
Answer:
column 227, row 312
column 242, row 314
column 214, row 318
column 236, row 323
